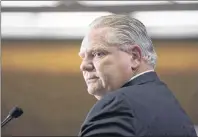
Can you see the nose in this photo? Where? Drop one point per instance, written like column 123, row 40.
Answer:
column 86, row 66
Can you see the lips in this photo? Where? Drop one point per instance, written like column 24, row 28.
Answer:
column 91, row 79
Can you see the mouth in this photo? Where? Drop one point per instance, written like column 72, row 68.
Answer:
column 89, row 80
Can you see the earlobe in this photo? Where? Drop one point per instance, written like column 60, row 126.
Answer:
column 134, row 63
column 133, row 68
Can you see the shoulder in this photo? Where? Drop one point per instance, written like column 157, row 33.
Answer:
column 114, row 102
column 114, row 99
column 111, row 115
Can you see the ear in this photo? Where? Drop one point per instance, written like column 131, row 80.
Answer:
column 136, row 56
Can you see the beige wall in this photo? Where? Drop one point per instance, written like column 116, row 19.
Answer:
column 44, row 79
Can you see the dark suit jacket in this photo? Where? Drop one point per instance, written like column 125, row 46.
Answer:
column 143, row 107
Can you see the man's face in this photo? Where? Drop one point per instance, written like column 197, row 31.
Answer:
column 104, row 67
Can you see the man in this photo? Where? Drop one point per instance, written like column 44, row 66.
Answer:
column 118, row 61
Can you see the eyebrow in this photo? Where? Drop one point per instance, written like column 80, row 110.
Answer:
column 102, row 48
column 82, row 54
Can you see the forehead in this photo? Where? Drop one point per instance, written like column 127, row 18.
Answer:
column 95, row 38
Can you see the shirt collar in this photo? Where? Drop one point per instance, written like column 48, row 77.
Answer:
column 141, row 74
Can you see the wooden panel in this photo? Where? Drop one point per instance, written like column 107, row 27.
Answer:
column 44, row 79
column 60, row 58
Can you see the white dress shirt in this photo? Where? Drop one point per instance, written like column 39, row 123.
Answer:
column 141, row 74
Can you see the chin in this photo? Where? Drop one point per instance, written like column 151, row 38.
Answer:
column 95, row 91
column 92, row 91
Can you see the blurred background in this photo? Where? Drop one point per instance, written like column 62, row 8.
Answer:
column 40, row 64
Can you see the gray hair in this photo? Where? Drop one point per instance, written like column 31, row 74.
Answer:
column 127, row 31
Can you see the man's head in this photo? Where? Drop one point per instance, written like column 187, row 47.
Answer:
column 116, row 48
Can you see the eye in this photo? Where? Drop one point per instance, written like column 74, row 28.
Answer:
column 98, row 54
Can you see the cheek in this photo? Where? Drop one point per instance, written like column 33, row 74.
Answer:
column 125, row 65
column 124, row 62
column 109, row 69
column 103, row 68
column 116, row 68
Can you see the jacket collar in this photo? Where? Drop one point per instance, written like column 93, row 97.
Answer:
column 144, row 78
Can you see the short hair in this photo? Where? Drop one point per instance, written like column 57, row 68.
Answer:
column 127, row 31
